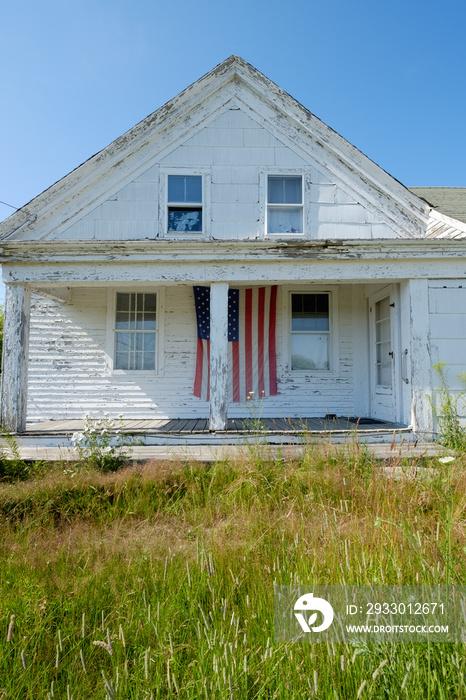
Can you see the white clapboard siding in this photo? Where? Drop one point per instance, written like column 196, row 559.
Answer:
column 234, row 149
column 447, row 315
column 68, row 375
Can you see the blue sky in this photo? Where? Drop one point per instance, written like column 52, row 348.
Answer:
column 76, row 74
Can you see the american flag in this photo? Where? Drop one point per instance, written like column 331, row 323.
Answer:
column 251, row 335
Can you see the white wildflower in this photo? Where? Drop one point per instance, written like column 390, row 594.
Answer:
column 446, row 460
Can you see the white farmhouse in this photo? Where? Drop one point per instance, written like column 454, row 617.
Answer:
column 231, row 246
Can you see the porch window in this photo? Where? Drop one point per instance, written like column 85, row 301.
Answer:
column 184, row 203
column 135, row 331
column 310, row 332
column 383, row 343
column 285, row 204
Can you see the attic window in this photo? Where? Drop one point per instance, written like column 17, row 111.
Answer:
column 184, row 203
column 285, row 204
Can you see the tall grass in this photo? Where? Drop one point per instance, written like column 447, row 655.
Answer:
column 158, row 582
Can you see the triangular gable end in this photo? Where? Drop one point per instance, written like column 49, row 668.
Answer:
column 232, row 137
column 120, row 172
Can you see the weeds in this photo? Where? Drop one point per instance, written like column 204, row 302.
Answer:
column 158, row 582
column 445, row 409
column 12, row 467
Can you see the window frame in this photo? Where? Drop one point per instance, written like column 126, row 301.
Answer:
column 305, row 174
column 333, row 342
column 205, row 175
column 159, row 331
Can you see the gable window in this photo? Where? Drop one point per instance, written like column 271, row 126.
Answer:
column 285, row 204
column 184, row 200
column 310, row 332
column 135, row 331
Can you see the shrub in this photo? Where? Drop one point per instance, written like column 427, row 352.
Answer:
column 101, row 444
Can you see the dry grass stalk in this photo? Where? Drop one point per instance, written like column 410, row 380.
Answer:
column 103, row 645
column 11, row 629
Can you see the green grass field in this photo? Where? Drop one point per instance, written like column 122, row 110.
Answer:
column 157, row 581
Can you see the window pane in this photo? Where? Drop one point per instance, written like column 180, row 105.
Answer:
column 382, row 309
column 149, row 322
column 293, row 190
column 176, row 188
column 276, row 190
column 284, row 190
column 382, row 331
column 383, row 366
column 284, row 220
column 149, row 351
column 310, row 323
column 122, row 320
column 124, row 342
column 122, row 302
column 193, row 189
column 121, row 361
column 185, row 220
column 310, row 312
column 150, row 302
column 310, row 351
column 185, row 188
column 148, row 361
column 138, row 360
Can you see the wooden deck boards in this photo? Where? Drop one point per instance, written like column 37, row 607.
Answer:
column 234, row 425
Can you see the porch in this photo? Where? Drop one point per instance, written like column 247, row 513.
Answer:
column 352, row 354
column 184, row 431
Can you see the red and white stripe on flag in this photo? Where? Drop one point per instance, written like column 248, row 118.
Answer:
column 252, row 357
column 202, row 377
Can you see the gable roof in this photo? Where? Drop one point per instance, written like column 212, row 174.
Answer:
column 447, row 200
column 233, row 79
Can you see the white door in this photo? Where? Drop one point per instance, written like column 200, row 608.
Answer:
column 382, row 320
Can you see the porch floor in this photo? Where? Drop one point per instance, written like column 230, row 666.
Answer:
column 182, row 439
column 235, row 426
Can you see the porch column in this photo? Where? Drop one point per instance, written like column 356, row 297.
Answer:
column 218, row 355
column 420, row 362
column 15, row 358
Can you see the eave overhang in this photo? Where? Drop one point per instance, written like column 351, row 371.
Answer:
column 177, row 251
